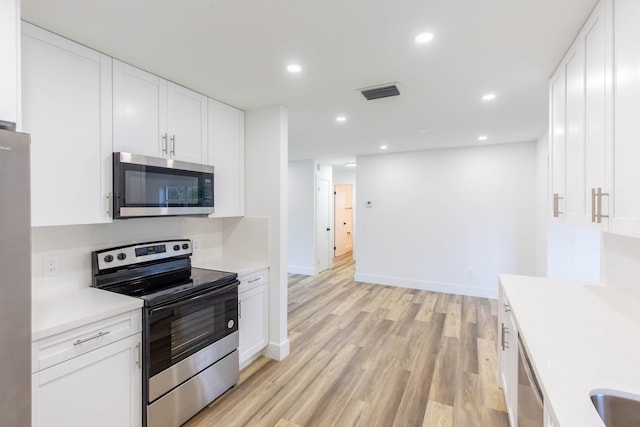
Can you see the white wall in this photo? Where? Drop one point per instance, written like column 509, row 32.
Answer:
column 302, row 238
column 447, row 220
column 266, row 191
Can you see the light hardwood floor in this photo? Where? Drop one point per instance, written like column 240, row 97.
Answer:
column 371, row 355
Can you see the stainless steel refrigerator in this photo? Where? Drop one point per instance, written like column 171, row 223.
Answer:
column 15, row 280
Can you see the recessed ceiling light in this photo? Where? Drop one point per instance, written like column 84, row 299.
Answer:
column 489, row 97
column 294, row 68
column 350, row 164
column 482, row 138
column 383, row 147
column 341, row 119
column 424, row 38
column 424, row 130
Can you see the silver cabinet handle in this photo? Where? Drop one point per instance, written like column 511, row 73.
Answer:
column 598, row 195
column 593, row 205
column 98, row 335
column 164, row 143
column 505, row 331
column 507, row 308
column 109, row 203
column 139, row 359
column 240, row 309
column 173, row 145
column 254, row 280
column 556, row 205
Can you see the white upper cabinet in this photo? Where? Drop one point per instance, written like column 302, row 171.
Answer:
column 557, row 143
column 9, row 20
column 66, row 99
column 226, row 154
column 154, row 117
column 625, row 154
column 581, row 123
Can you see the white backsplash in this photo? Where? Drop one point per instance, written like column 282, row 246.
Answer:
column 244, row 238
column 621, row 261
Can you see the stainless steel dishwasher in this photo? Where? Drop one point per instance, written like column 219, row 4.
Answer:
column 530, row 400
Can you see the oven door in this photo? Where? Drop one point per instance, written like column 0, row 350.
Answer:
column 187, row 336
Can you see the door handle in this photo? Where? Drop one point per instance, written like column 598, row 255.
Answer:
column 328, row 229
column 344, row 223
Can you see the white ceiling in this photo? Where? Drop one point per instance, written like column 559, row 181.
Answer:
column 236, row 51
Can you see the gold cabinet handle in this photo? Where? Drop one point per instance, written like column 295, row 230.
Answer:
column 599, row 195
column 164, row 143
column 98, row 335
column 556, row 205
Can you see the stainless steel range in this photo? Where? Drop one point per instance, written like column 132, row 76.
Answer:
column 190, row 325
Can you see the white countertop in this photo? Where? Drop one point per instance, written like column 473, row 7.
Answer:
column 580, row 337
column 233, row 265
column 60, row 312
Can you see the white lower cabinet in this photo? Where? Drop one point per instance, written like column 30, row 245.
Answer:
column 253, row 320
column 101, row 387
column 508, row 354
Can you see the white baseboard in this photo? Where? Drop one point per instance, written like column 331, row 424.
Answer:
column 277, row 351
column 296, row 269
column 450, row 288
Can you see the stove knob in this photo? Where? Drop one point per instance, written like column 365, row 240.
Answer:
column 230, row 324
column 176, row 247
column 122, row 256
column 108, row 258
column 185, row 246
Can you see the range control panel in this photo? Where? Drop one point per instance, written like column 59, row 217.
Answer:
column 142, row 252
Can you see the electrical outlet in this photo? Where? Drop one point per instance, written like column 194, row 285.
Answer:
column 51, row 266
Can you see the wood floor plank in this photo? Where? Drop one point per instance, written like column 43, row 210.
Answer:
column 372, row 355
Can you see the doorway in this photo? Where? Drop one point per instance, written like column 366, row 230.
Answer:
column 343, row 215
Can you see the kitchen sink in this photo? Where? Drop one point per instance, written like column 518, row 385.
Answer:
column 617, row 409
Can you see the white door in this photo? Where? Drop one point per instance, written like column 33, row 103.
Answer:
column 343, row 225
column 323, row 224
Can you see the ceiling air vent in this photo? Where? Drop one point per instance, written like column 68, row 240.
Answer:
column 378, row 92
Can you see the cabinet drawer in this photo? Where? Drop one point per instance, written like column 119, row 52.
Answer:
column 67, row 345
column 252, row 280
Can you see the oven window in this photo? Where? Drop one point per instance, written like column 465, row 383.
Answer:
column 190, row 329
column 180, row 329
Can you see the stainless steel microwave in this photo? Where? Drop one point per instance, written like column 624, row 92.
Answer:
column 149, row 186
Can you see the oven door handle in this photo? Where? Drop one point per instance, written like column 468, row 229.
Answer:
column 188, row 300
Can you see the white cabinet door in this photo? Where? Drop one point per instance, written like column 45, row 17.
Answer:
column 557, row 143
column 139, row 111
column 226, row 154
column 157, row 118
column 574, row 206
column 102, row 388
column 9, row 20
column 66, row 93
column 253, row 322
column 598, row 46
column 187, row 124
column 508, row 355
column 625, row 199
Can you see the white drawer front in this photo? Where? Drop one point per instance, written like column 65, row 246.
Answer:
column 252, row 280
column 67, row 345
